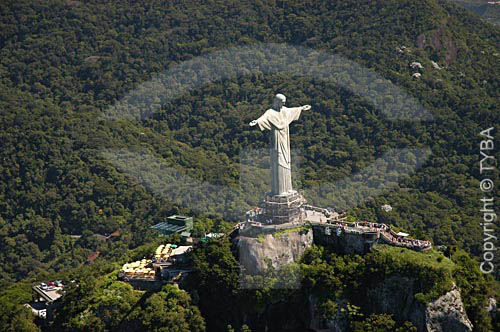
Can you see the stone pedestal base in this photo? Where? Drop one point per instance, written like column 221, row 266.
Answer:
column 285, row 208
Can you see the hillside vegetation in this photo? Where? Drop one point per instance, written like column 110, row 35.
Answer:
column 488, row 10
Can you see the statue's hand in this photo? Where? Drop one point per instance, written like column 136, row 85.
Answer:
column 253, row 123
column 306, row 107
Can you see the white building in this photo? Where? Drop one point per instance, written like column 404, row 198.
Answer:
column 386, row 208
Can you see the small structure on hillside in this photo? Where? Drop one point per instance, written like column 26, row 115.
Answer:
column 101, row 237
column 92, row 257
column 435, row 65
column 416, row 65
column 386, row 208
column 45, row 296
column 175, row 224
column 402, row 49
column 165, row 264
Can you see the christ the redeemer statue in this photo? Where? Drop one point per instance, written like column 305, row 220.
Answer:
column 277, row 119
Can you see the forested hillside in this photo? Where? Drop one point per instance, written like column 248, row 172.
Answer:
column 63, row 64
column 488, row 10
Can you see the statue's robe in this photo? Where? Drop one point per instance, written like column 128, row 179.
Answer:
column 277, row 122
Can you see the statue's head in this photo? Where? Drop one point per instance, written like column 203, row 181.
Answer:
column 279, row 101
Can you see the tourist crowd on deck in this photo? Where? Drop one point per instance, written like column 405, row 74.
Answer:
column 385, row 232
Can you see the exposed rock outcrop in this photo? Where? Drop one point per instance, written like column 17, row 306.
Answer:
column 440, row 40
column 337, row 323
column 279, row 250
column 396, row 296
column 447, row 314
column 492, row 307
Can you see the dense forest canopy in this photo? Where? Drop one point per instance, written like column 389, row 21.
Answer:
column 488, row 10
column 64, row 64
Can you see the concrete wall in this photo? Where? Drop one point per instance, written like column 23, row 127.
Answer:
column 345, row 243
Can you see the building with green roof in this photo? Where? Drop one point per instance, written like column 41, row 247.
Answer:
column 174, row 224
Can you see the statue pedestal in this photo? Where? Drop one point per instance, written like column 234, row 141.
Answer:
column 284, row 208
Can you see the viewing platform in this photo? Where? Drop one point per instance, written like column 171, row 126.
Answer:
column 330, row 226
column 305, row 213
column 361, row 236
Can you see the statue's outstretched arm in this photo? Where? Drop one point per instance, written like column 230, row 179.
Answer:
column 299, row 108
column 262, row 120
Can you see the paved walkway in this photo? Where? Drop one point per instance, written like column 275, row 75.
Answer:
column 336, row 218
column 384, row 232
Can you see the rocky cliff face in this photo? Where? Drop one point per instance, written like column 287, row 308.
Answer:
column 447, row 314
column 395, row 296
column 337, row 323
column 279, row 250
column 492, row 307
